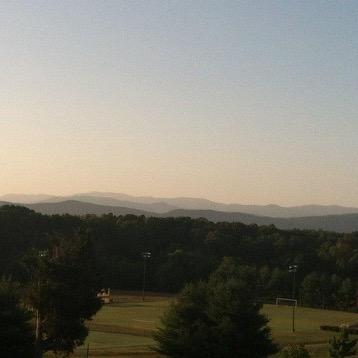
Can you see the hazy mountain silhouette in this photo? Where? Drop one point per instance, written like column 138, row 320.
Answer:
column 263, row 210
column 205, row 204
column 125, row 197
column 25, row 198
column 339, row 223
column 74, row 207
column 163, row 205
column 157, row 207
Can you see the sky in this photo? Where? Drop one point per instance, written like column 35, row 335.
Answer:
column 234, row 101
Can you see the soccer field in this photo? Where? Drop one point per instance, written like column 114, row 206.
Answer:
column 125, row 328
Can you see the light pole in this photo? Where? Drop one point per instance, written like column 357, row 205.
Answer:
column 293, row 270
column 146, row 255
column 38, row 333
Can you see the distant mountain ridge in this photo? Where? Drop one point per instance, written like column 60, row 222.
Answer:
column 338, row 223
column 24, row 198
column 261, row 210
column 164, row 205
column 74, row 207
column 158, row 207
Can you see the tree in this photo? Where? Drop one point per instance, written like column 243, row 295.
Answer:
column 346, row 294
column 179, row 244
column 217, row 318
column 280, row 284
column 186, row 327
column 16, row 332
column 240, row 329
column 62, row 290
column 311, row 290
column 294, row 351
column 179, row 265
column 342, row 346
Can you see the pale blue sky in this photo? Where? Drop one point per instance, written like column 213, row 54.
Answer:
column 236, row 101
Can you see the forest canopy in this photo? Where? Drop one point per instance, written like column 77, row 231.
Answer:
column 185, row 250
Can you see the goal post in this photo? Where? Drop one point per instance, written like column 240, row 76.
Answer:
column 286, row 301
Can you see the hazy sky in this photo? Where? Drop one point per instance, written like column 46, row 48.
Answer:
column 236, row 101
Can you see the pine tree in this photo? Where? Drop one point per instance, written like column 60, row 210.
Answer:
column 240, row 329
column 217, row 319
column 186, row 328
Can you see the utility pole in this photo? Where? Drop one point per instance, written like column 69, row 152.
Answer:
column 146, row 255
column 293, row 270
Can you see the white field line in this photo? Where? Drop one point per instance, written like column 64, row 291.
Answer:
column 141, row 320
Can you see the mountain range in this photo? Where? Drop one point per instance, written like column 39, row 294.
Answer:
column 330, row 218
column 164, row 205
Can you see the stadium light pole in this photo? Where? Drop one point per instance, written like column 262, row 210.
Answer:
column 293, row 270
column 41, row 254
column 146, row 255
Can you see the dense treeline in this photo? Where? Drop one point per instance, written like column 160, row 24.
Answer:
column 186, row 250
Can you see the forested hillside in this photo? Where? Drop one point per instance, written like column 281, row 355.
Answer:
column 185, row 250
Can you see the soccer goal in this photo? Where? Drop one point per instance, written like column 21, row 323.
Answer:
column 286, row 301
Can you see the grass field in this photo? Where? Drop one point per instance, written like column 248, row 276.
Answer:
column 124, row 329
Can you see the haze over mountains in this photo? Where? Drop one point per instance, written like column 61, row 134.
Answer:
column 163, row 205
column 331, row 218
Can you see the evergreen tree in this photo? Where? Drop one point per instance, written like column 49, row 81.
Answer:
column 186, row 327
column 240, row 329
column 217, row 319
column 16, row 332
column 342, row 346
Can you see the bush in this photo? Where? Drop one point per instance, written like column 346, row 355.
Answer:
column 342, row 346
column 294, row 351
column 330, row 328
column 351, row 330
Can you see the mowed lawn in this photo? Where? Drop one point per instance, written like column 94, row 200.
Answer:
column 125, row 328
column 307, row 323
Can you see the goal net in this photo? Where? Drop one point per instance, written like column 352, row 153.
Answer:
column 286, row 301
